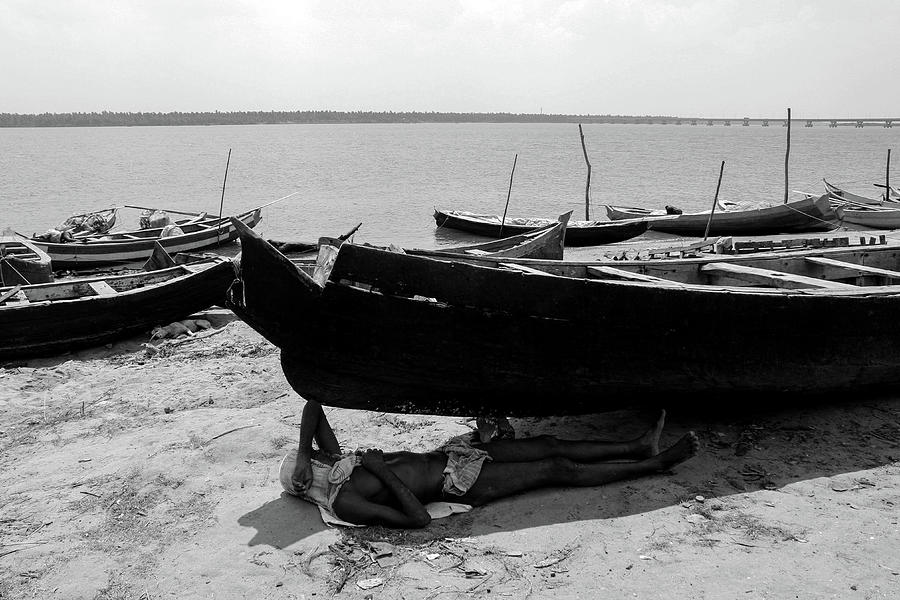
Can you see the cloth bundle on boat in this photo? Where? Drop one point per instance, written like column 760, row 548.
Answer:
column 151, row 219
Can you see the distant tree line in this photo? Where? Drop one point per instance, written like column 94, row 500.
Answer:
column 135, row 119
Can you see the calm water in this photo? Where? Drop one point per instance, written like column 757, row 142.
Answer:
column 389, row 177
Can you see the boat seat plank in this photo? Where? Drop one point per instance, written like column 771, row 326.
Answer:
column 853, row 269
column 9, row 293
column 604, row 272
column 771, row 278
column 523, row 268
column 102, row 288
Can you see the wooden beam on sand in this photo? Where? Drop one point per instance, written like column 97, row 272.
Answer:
column 767, row 277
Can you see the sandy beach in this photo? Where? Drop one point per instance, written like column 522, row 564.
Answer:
column 138, row 471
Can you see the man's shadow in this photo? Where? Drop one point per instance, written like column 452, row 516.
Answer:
column 283, row 521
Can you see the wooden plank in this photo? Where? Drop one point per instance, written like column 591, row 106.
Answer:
column 770, row 278
column 852, row 269
column 9, row 293
column 102, row 288
column 523, row 268
column 603, row 272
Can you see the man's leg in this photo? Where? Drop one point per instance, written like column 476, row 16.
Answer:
column 500, row 479
column 543, row 447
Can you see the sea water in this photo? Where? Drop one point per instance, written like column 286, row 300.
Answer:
column 390, row 177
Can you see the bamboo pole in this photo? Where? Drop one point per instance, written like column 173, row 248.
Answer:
column 887, row 178
column 508, row 193
column 787, row 155
column 587, row 187
column 715, row 202
column 222, row 201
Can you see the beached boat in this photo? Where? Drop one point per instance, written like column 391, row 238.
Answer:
column 188, row 235
column 808, row 214
column 398, row 333
column 578, row 233
column 49, row 318
column 21, row 262
column 840, row 194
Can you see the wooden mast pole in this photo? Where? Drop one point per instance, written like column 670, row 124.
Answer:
column 887, row 178
column 715, row 202
column 222, row 201
column 508, row 193
column 587, row 187
column 787, row 155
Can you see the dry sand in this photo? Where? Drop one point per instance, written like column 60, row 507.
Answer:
column 129, row 473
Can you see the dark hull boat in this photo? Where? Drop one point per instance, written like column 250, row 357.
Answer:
column 578, row 233
column 808, row 214
column 46, row 319
column 398, row 333
column 137, row 246
column 21, row 262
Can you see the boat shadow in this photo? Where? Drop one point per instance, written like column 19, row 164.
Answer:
column 821, row 446
column 812, row 447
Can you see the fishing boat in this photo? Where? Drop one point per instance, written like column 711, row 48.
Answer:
column 807, row 214
column 198, row 232
column 845, row 197
column 49, row 318
column 398, row 333
column 578, row 233
column 21, row 262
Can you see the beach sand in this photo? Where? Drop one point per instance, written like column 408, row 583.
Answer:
column 133, row 472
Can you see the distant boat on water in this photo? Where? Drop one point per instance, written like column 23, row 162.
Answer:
column 578, row 233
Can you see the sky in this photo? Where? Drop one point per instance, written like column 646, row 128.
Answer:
column 703, row 58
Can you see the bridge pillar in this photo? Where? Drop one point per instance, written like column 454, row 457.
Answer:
column 809, row 123
column 765, row 123
column 727, row 123
column 833, row 124
column 746, row 122
column 888, row 123
column 859, row 124
column 784, row 123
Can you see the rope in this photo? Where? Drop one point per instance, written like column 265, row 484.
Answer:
column 830, row 224
column 10, row 265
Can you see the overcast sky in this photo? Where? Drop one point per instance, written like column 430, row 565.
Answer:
column 824, row 58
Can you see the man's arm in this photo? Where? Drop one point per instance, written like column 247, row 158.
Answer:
column 354, row 508
column 313, row 425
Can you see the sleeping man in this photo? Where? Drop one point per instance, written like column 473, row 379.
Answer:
column 376, row 488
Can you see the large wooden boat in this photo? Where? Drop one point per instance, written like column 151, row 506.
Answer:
column 55, row 317
column 21, row 262
column 197, row 233
column 808, row 214
column 578, row 233
column 399, row 333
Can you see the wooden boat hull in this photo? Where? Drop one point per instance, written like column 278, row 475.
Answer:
column 578, row 233
column 871, row 219
column 445, row 337
column 97, row 252
column 87, row 318
column 809, row 214
column 21, row 262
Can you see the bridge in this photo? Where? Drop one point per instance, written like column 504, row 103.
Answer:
column 747, row 121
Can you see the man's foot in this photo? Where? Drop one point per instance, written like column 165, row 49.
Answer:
column 685, row 448
column 649, row 442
